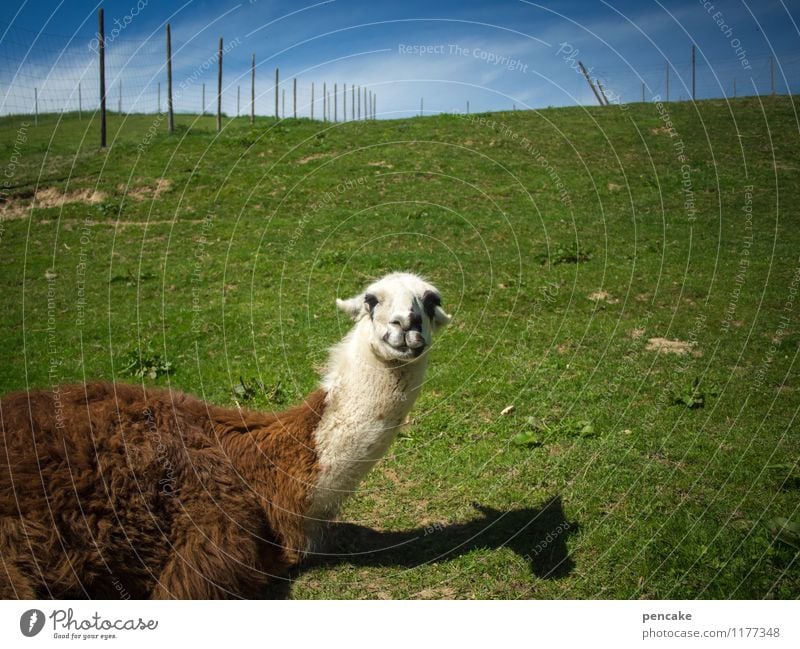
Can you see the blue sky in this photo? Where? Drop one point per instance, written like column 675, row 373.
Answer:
column 493, row 54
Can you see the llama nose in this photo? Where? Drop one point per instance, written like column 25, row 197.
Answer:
column 414, row 322
column 408, row 322
column 414, row 340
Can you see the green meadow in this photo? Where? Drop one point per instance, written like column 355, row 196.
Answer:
column 612, row 412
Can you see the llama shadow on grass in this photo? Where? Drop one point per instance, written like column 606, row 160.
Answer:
column 537, row 534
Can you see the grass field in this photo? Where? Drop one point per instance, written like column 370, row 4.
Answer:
column 566, row 243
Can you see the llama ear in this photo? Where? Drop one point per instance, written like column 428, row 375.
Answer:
column 432, row 303
column 352, row 307
column 440, row 317
column 357, row 306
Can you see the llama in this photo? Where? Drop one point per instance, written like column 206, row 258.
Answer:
column 109, row 488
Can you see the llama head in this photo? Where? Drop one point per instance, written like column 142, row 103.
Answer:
column 400, row 312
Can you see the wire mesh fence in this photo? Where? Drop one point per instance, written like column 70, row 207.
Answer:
column 44, row 73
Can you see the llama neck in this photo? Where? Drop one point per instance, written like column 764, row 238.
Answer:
column 368, row 400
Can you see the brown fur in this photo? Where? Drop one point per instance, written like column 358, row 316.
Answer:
column 111, row 490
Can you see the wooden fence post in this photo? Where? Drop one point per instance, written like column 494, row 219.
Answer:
column 102, row 53
column 219, row 87
column 589, row 81
column 170, row 115
column 602, row 92
column 772, row 75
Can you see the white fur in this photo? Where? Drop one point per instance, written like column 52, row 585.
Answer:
column 374, row 377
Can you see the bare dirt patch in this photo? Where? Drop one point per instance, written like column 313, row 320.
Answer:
column 678, row 347
column 143, row 193
column 381, row 163
column 614, row 187
column 313, row 156
column 48, row 197
column 602, row 296
column 52, row 197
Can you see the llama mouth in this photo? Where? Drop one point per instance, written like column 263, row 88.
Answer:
column 409, row 352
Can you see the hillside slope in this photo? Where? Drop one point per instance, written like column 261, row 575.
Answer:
column 625, row 277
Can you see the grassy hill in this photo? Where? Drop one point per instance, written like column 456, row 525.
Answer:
column 625, row 277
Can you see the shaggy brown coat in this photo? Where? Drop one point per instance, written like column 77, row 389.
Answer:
column 112, row 489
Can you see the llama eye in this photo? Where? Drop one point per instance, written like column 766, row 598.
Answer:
column 430, row 301
column 371, row 301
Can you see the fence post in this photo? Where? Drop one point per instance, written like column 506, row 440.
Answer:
column 253, row 90
column 170, row 115
column 219, row 87
column 365, row 103
column 352, row 102
column 276, row 94
column 344, row 102
column 283, row 103
column 101, row 49
column 467, row 106
column 328, row 96
column 335, row 103
column 294, row 97
column 772, row 75
column 589, row 81
column 312, row 100
column 421, row 106
column 602, row 92
column 324, row 102
column 359, row 103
